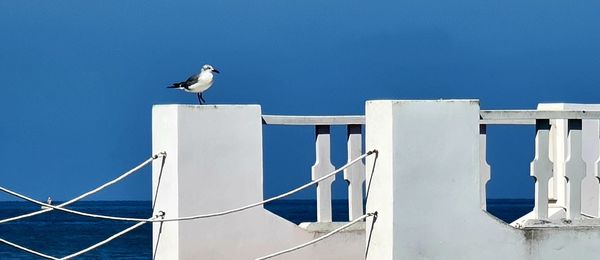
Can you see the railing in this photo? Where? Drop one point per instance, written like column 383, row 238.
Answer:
column 548, row 177
column 354, row 175
column 542, row 167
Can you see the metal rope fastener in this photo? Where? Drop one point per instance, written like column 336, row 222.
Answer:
column 195, row 216
column 374, row 214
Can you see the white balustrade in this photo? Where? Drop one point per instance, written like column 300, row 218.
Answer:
column 597, row 171
column 321, row 168
column 548, row 196
column 575, row 169
column 484, row 167
column 559, row 167
column 541, row 168
column 355, row 174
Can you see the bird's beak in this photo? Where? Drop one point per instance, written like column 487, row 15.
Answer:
column 215, row 71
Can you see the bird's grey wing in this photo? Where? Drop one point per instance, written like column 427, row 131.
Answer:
column 191, row 80
column 185, row 84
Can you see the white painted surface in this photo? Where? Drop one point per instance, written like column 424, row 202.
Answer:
column 426, row 183
column 541, row 169
column 164, row 134
column 485, row 171
column 313, row 120
column 321, row 168
column 575, row 169
column 590, row 153
column 355, row 174
column 214, row 162
column 426, row 190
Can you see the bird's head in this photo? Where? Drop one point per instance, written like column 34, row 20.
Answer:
column 209, row 68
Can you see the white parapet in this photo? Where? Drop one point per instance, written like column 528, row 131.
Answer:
column 424, row 184
column 214, row 163
column 559, row 153
column 425, row 188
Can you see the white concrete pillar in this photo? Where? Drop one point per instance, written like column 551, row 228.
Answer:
column 425, row 186
column 214, row 163
column 484, row 168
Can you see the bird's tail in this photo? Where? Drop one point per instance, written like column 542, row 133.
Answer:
column 175, row 85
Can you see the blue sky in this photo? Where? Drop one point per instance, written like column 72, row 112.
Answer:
column 79, row 78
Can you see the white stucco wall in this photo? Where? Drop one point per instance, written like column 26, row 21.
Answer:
column 426, row 189
column 214, row 163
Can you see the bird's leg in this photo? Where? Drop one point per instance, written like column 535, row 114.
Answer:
column 200, row 98
column 203, row 101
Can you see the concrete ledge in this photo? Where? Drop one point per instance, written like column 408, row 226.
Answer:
column 561, row 223
column 326, row 227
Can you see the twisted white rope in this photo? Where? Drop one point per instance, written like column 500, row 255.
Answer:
column 99, row 188
column 125, row 231
column 70, row 210
column 26, row 249
column 161, row 215
column 113, row 237
column 82, row 196
column 195, row 216
column 276, row 197
column 317, row 239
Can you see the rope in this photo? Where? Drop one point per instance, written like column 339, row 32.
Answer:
column 196, row 216
column 276, row 197
column 318, row 239
column 50, row 208
column 162, row 214
column 154, row 157
column 26, row 249
column 113, row 237
column 70, row 210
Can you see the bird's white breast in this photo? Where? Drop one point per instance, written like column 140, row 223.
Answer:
column 205, row 80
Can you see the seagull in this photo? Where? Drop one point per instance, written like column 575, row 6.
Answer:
column 198, row 83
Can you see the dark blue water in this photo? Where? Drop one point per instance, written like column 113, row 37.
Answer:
column 509, row 209
column 60, row 234
column 299, row 211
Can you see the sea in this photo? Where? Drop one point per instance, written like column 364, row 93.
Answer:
column 59, row 234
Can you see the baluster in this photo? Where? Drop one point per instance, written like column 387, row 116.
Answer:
column 541, row 168
column 597, row 168
column 355, row 174
column 484, row 167
column 321, row 168
column 574, row 169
